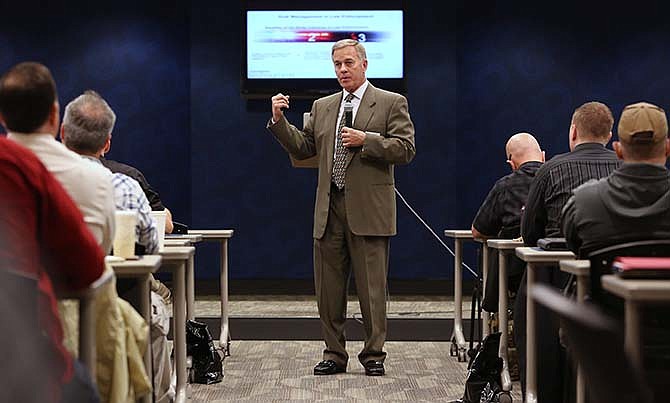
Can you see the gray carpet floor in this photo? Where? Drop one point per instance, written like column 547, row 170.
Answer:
column 281, row 371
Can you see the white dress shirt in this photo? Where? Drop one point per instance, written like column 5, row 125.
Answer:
column 87, row 183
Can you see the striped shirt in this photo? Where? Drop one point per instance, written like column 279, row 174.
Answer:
column 553, row 186
column 128, row 195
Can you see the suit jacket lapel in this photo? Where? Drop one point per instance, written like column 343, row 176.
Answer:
column 332, row 113
column 363, row 116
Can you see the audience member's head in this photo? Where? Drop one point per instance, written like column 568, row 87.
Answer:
column 522, row 148
column 643, row 134
column 29, row 100
column 591, row 123
column 87, row 124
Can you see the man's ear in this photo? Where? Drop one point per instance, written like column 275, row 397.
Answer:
column 616, row 145
column 573, row 132
column 667, row 145
column 609, row 137
column 108, row 145
column 62, row 134
column 54, row 115
column 512, row 165
column 544, row 158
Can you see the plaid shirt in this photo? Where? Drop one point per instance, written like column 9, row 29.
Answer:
column 128, row 195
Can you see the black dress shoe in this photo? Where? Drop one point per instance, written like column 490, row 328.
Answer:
column 374, row 368
column 328, row 367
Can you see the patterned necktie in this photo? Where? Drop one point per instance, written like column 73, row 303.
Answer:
column 340, row 151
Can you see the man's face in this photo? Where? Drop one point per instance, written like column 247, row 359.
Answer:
column 350, row 70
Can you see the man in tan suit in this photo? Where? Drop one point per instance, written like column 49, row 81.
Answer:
column 355, row 212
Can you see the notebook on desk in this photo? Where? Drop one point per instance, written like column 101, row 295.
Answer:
column 553, row 244
column 642, row 267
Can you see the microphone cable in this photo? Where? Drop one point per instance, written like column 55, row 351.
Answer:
column 474, row 273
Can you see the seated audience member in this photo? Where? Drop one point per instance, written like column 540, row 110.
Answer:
column 500, row 214
column 87, row 126
column 151, row 194
column 87, row 129
column 590, row 131
column 30, row 112
column 39, row 226
column 631, row 204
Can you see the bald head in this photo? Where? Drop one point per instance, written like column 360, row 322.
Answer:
column 521, row 148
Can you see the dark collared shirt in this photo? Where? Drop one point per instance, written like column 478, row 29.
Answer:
column 553, row 186
column 149, row 192
column 500, row 214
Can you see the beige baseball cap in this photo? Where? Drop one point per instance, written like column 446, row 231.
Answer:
column 642, row 122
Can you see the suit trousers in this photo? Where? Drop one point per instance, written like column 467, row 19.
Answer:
column 336, row 255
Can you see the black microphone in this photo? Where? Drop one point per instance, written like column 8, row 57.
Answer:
column 348, row 114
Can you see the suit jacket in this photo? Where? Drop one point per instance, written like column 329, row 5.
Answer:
column 370, row 196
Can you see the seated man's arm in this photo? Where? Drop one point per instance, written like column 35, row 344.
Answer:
column 569, row 226
column 169, row 226
column 488, row 221
column 72, row 255
column 534, row 217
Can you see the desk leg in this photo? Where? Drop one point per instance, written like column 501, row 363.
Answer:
column 485, row 265
column 457, row 339
column 531, row 374
column 190, row 288
column 503, row 320
column 179, row 324
column 224, row 338
column 87, row 326
column 145, row 311
column 633, row 339
column 581, row 381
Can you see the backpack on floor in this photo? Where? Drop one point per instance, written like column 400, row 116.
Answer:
column 484, row 383
column 207, row 362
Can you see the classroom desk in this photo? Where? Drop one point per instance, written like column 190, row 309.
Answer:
column 636, row 293
column 141, row 270
column 222, row 236
column 580, row 269
column 177, row 242
column 458, row 346
column 504, row 247
column 186, row 240
column 87, row 322
column 534, row 257
column 485, row 264
column 176, row 259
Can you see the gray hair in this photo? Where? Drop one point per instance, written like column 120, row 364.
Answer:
column 87, row 123
column 343, row 43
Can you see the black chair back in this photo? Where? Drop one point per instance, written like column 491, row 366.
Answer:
column 596, row 343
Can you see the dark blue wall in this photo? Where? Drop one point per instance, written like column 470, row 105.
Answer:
column 476, row 75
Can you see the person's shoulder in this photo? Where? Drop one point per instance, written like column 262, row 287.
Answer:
column 121, row 179
column 16, row 156
column 590, row 188
column 380, row 92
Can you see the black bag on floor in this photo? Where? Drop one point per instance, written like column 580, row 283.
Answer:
column 207, row 362
column 483, row 384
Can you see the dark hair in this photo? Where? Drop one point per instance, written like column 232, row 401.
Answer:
column 593, row 120
column 27, row 94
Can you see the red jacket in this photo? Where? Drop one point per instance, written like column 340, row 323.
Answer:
column 43, row 236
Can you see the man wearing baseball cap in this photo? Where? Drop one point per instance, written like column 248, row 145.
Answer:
column 633, row 202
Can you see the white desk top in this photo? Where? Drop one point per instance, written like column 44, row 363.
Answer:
column 637, row 290
column 191, row 237
column 537, row 255
column 577, row 267
column 177, row 242
column 504, row 243
column 458, row 233
column 212, row 233
column 175, row 253
column 145, row 264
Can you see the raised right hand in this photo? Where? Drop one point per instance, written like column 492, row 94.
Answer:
column 279, row 102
